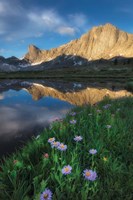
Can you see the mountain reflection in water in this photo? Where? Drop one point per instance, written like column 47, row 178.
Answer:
column 27, row 107
column 21, row 117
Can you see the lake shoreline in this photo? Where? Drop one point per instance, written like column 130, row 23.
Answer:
column 105, row 127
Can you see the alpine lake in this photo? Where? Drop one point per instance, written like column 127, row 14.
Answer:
column 29, row 106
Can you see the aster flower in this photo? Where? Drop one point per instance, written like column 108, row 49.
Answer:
column 93, row 151
column 78, row 138
column 108, row 126
column 62, row 147
column 73, row 113
column 46, row 195
column 73, row 121
column 99, row 111
column 55, row 144
column 106, row 106
column 50, row 140
column 66, row 170
column 90, row 175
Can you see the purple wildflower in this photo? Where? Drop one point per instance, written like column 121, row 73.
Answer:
column 46, row 195
column 50, row 140
column 108, row 126
column 67, row 170
column 106, row 106
column 93, row 151
column 55, row 144
column 73, row 121
column 62, row 147
column 73, row 113
column 78, row 138
column 90, row 175
column 99, row 111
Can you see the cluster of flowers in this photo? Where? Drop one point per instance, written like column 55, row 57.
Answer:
column 73, row 121
column 56, row 144
column 61, row 146
column 89, row 175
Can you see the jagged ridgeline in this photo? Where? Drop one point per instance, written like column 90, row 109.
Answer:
column 105, row 44
column 100, row 42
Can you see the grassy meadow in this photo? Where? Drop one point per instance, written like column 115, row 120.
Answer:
column 106, row 70
column 88, row 155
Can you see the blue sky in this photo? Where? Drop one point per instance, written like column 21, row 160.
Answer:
column 50, row 23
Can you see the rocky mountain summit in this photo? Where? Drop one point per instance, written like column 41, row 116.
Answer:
column 105, row 42
column 102, row 45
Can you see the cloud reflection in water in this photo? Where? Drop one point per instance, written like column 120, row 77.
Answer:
column 21, row 117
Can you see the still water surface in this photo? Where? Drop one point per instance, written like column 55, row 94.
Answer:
column 27, row 107
column 22, row 117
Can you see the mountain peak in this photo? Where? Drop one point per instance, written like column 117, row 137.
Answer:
column 109, row 25
column 33, row 53
column 33, row 48
column 105, row 41
column 104, row 27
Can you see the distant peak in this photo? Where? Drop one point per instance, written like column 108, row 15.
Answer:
column 33, row 47
column 107, row 25
column 104, row 27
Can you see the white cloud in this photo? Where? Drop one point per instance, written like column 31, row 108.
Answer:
column 66, row 31
column 47, row 19
column 79, row 19
column 50, row 20
column 18, row 22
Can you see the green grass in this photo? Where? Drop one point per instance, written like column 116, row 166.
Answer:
column 31, row 174
column 105, row 71
column 129, row 86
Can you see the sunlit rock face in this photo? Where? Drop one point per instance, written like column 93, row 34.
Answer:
column 34, row 53
column 85, row 96
column 100, row 42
